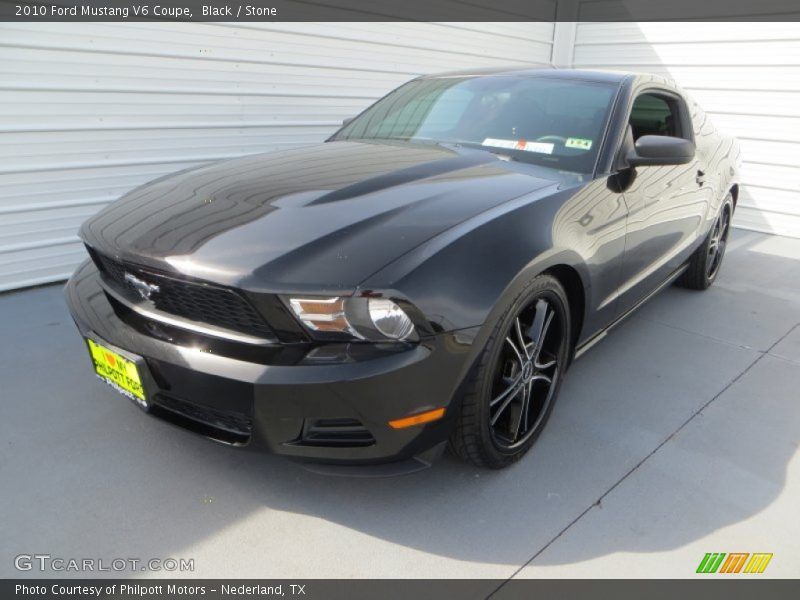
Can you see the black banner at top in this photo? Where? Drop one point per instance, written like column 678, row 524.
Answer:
column 399, row 10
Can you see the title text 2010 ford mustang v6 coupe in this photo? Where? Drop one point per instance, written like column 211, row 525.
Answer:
column 426, row 275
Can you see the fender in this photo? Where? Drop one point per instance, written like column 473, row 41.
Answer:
column 544, row 262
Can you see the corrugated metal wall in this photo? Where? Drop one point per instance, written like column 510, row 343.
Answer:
column 746, row 76
column 88, row 111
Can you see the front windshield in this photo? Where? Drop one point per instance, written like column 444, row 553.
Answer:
column 547, row 121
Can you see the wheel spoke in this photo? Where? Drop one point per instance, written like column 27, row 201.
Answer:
column 516, row 351
column 712, row 258
column 718, row 232
column 521, row 338
column 726, row 223
column 526, row 403
column 544, row 366
column 717, row 242
column 542, row 377
column 717, row 228
column 539, row 327
column 537, row 351
column 506, row 402
column 513, row 387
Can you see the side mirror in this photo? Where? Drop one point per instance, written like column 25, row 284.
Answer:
column 652, row 150
column 347, row 121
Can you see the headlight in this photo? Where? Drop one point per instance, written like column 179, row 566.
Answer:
column 372, row 319
column 389, row 319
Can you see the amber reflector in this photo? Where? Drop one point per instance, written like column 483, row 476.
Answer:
column 419, row 419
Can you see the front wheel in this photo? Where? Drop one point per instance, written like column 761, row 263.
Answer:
column 705, row 263
column 514, row 387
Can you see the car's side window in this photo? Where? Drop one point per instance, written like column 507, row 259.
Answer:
column 654, row 114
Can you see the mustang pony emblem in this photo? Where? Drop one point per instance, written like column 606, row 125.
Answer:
column 145, row 289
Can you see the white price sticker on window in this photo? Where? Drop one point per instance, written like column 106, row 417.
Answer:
column 540, row 147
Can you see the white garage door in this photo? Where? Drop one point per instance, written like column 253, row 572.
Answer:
column 746, row 76
column 87, row 111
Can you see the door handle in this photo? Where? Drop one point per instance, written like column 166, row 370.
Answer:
column 701, row 177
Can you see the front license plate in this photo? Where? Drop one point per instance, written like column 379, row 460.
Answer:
column 117, row 371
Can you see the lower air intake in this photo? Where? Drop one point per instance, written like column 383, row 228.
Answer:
column 335, row 432
column 224, row 426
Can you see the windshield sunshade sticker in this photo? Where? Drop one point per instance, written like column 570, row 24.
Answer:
column 540, row 147
column 578, row 143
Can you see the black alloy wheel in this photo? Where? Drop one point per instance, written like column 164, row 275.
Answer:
column 705, row 263
column 525, row 374
column 717, row 242
column 511, row 395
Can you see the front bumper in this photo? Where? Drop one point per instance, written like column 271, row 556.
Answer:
column 334, row 411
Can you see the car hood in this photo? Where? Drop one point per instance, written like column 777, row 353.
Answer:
column 321, row 217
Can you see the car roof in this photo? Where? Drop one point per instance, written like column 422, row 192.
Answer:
column 575, row 74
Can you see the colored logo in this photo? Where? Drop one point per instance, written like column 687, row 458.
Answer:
column 734, row 562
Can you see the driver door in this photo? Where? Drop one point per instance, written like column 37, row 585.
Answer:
column 666, row 204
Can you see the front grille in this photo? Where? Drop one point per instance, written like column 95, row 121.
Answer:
column 226, row 426
column 206, row 303
column 335, row 432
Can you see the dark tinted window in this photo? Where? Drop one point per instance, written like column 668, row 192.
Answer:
column 552, row 122
column 655, row 115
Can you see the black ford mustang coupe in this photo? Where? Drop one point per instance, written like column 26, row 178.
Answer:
column 425, row 276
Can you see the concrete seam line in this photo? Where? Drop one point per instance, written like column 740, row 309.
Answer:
column 703, row 335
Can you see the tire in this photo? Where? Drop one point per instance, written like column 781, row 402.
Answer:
column 491, row 409
column 705, row 263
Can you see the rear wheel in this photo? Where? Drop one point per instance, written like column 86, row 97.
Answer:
column 705, row 263
column 511, row 395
